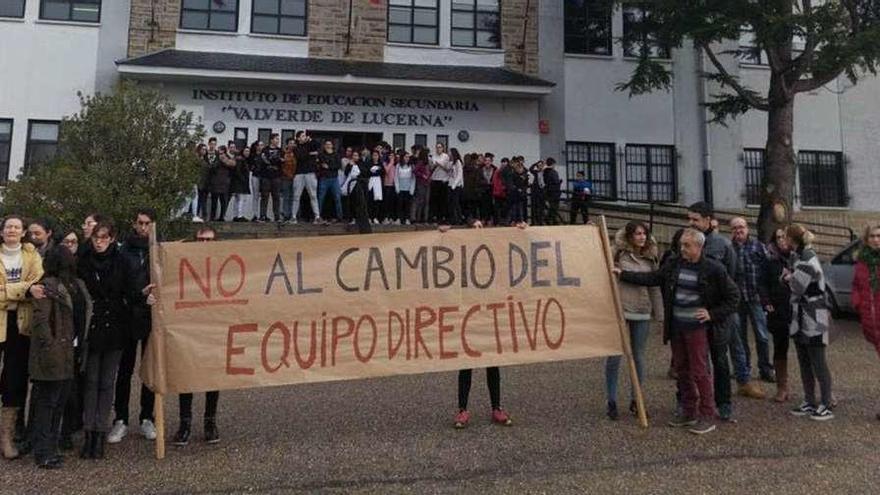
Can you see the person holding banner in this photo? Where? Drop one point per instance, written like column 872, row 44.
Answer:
column 112, row 285
column 636, row 251
column 184, row 431
column 698, row 296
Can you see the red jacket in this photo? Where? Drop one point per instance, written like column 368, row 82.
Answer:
column 498, row 189
column 867, row 304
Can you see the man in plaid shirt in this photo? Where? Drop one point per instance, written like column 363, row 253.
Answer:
column 750, row 277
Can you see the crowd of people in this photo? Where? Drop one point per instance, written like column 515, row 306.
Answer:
column 377, row 186
column 77, row 306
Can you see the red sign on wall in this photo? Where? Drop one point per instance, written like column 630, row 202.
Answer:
column 544, row 126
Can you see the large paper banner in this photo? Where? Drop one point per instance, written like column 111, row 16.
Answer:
column 235, row 314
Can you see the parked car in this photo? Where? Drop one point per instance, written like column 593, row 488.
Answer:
column 839, row 276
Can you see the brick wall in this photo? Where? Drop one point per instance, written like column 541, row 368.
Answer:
column 153, row 25
column 518, row 16
column 328, row 29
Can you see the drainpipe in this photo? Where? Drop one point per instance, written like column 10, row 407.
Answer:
column 703, row 115
column 348, row 35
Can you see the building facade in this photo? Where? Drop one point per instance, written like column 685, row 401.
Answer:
column 527, row 77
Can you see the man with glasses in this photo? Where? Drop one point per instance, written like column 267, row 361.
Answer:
column 184, row 431
column 136, row 249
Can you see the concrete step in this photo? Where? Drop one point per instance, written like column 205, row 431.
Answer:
column 269, row 230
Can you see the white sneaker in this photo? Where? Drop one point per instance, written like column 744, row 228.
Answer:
column 318, row 221
column 118, row 432
column 148, row 429
column 196, row 219
column 397, row 222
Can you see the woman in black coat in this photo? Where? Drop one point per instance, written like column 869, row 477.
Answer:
column 779, row 309
column 112, row 284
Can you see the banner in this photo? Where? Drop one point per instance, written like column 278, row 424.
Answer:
column 252, row 313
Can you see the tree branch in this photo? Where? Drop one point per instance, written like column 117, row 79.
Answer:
column 728, row 80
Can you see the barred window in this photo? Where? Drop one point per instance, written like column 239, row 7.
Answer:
column 639, row 33
column 240, row 137
column 279, row 17
column 822, row 178
column 264, row 134
column 5, row 148
column 69, row 10
column 588, row 27
column 597, row 161
column 42, row 143
column 421, row 140
column 211, row 15
column 753, row 159
column 476, row 23
column 444, row 140
column 399, row 141
column 651, row 173
column 413, row 21
column 285, row 135
column 12, row 8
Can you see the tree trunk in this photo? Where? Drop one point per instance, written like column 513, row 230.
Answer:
column 777, row 186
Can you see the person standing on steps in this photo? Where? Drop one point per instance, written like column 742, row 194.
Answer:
column 751, row 278
column 635, row 251
column 307, row 151
column 20, row 270
column 136, row 252
column 184, row 431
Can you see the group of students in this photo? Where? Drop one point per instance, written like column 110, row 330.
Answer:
column 77, row 310
column 378, row 186
column 708, row 288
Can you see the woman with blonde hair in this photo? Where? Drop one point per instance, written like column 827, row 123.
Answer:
column 809, row 323
column 635, row 251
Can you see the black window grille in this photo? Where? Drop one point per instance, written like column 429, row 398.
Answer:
column 240, row 136
column 639, row 33
column 69, row 10
column 287, row 17
column 444, row 140
column 413, row 21
column 651, row 173
column 476, row 23
column 210, row 15
column 285, row 135
column 399, row 141
column 12, row 8
column 263, row 135
column 753, row 159
column 822, row 178
column 588, row 27
column 421, row 140
column 599, row 164
column 5, row 148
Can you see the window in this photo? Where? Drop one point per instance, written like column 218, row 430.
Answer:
column 749, row 51
column 597, row 161
column 42, row 143
column 476, row 23
column 285, row 135
column 754, row 162
column 650, row 173
column 588, row 27
column 240, row 136
column 279, row 17
column 211, row 15
column 70, row 10
column 5, row 147
column 12, row 8
column 413, row 21
column 263, row 135
column 822, row 178
column 639, row 33
column 421, row 140
column 399, row 141
column 444, row 140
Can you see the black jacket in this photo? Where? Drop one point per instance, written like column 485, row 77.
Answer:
column 719, row 291
column 778, row 293
column 113, row 286
column 271, row 161
column 333, row 162
column 137, row 252
column 552, row 183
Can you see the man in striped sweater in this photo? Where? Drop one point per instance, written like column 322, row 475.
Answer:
column 698, row 294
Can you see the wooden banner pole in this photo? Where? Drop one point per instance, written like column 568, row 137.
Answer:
column 159, row 413
column 158, row 342
column 624, row 330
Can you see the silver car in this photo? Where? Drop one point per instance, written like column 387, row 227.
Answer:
column 839, row 276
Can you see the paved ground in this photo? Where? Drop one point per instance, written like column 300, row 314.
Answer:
column 394, row 436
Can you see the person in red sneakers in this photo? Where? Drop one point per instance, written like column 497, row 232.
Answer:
column 493, row 376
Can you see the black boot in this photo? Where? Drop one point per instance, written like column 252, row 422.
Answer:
column 611, row 412
column 88, row 444
column 181, row 438
column 100, row 439
column 212, row 435
column 66, row 442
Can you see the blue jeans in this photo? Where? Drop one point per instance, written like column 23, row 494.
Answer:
column 738, row 353
column 286, row 197
column 754, row 312
column 638, row 338
column 331, row 185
